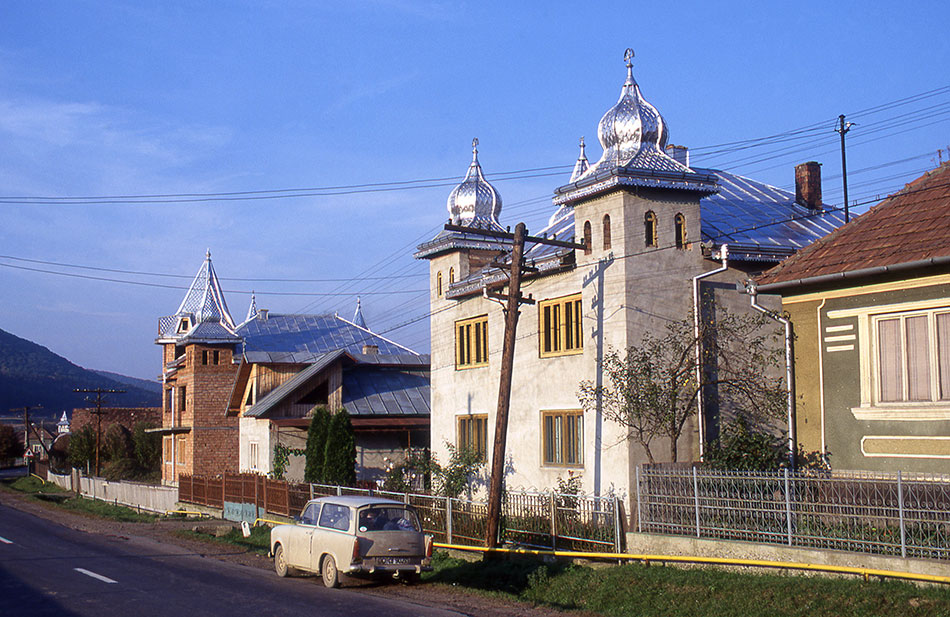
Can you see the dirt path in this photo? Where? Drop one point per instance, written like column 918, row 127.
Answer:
column 163, row 532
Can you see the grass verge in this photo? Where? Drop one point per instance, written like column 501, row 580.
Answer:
column 667, row 591
column 258, row 542
column 49, row 492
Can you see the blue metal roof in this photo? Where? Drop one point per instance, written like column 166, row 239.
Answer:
column 284, row 335
column 746, row 213
column 275, row 396
column 385, row 391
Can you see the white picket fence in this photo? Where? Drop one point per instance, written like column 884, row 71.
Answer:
column 133, row 494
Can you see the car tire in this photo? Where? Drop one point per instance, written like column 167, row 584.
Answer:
column 280, row 564
column 329, row 573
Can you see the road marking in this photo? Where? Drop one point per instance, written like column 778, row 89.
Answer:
column 5, row 541
column 104, row 579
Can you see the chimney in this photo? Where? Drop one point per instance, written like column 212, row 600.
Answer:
column 680, row 154
column 262, row 313
column 808, row 185
column 370, row 350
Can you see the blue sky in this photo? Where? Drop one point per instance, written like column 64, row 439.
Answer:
column 142, row 98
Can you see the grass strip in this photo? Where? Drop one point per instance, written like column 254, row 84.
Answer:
column 668, row 591
column 258, row 542
column 53, row 494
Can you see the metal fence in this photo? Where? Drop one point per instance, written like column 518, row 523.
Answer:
column 887, row 514
column 537, row 520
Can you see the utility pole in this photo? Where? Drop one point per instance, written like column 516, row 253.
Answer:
column 26, row 433
column 98, row 413
column 512, row 301
column 842, row 128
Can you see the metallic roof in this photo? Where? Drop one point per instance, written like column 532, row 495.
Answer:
column 911, row 227
column 400, row 387
column 203, row 304
column 475, row 201
column 312, row 334
column 387, row 391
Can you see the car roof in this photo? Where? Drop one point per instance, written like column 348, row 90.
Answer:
column 357, row 501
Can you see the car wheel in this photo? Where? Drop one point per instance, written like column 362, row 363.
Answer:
column 280, row 564
column 331, row 576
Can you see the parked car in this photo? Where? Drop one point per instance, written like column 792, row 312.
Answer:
column 352, row 535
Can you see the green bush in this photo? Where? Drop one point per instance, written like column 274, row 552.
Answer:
column 10, row 446
column 314, row 470
column 340, row 461
column 82, row 448
column 147, row 447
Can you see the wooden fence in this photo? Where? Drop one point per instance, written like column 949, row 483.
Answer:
column 540, row 520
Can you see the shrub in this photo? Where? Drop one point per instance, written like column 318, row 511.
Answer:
column 340, row 461
column 314, row 471
column 147, row 447
column 10, row 446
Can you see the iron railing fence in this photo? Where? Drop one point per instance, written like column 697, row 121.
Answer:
column 530, row 519
column 887, row 514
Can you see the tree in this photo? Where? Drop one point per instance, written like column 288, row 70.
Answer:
column 315, row 451
column 147, row 447
column 10, row 446
column 464, row 462
column 652, row 389
column 82, row 447
column 340, row 462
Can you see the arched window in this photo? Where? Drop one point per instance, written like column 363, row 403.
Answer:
column 606, row 232
column 587, row 238
column 679, row 231
column 438, row 283
column 451, row 275
column 649, row 229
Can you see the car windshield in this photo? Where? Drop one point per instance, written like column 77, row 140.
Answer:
column 388, row 518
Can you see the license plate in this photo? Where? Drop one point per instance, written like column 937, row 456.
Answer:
column 393, row 561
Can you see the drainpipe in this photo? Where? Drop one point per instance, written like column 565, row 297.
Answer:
column 701, row 420
column 789, row 377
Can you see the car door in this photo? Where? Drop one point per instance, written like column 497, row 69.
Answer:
column 298, row 542
column 332, row 535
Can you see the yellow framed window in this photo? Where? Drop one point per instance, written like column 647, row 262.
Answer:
column 561, row 329
column 471, row 342
column 472, row 432
column 562, row 434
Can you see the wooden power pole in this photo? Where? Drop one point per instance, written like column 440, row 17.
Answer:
column 512, row 301
column 98, row 413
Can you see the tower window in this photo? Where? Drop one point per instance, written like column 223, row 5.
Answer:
column 438, row 284
column 587, row 238
column 217, row 356
column 451, row 275
column 649, row 228
column 679, row 230
column 606, row 232
column 204, row 356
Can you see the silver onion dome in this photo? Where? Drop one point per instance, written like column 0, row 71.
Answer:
column 631, row 129
column 474, row 202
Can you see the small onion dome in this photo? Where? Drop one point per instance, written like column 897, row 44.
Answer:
column 581, row 165
column 474, row 202
column 631, row 126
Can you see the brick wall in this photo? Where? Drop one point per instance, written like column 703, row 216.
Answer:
column 125, row 416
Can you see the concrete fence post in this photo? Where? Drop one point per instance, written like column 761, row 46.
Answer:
column 552, row 508
column 448, row 520
column 696, row 498
column 639, row 505
column 900, row 506
column 788, row 508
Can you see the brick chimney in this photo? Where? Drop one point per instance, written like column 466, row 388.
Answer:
column 680, row 154
column 370, row 350
column 808, row 185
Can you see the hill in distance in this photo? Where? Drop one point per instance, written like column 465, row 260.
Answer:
column 32, row 375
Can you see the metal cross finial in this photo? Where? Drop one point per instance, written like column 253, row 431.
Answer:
column 208, row 253
column 475, row 145
column 628, row 56
column 582, row 146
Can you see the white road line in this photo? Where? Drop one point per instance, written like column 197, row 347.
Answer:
column 104, row 579
column 5, row 541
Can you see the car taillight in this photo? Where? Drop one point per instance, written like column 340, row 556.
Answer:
column 356, row 551
column 428, row 547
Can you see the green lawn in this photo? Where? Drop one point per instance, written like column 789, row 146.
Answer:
column 47, row 491
column 258, row 542
column 667, row 591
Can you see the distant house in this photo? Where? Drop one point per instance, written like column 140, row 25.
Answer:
column 387, row 397
column 870, row 304
column 216, row 370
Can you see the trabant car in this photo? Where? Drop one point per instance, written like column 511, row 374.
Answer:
column 352, row 535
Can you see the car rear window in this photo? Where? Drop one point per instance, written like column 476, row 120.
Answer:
column 389, row 518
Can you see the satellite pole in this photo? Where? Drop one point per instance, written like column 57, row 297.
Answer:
column 842, row 128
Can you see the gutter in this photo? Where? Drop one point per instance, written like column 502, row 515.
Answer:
column 701, row 421
column 789, row 366
column 853, row 274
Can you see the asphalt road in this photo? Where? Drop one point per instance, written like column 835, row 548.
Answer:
column 48, row 569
